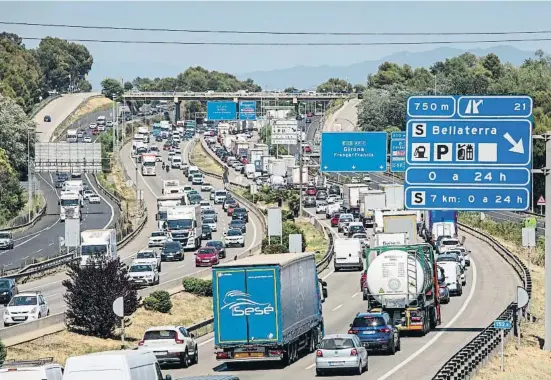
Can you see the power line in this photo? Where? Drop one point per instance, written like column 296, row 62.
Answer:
column 273, row 32
column 143, row 42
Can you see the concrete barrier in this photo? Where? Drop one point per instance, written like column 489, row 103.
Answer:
column 25, row 332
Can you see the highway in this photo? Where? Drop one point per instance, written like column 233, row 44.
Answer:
column 172, row 272
column 42, row 240
column 491, row 285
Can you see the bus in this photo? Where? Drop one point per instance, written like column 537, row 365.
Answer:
column 72, row 136
column 156, row 131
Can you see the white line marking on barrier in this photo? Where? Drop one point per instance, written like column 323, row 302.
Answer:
column 437, row 336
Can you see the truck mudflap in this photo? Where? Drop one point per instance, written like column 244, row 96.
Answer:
column 250, row 353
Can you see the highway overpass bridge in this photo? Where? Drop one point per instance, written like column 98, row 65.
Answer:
column 235, row 96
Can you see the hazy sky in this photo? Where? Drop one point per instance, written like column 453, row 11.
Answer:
column 133, row 60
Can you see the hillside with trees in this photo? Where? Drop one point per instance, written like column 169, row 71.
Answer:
column 384, row 105
column 26, row 75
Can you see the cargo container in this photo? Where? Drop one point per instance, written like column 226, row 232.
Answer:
column 351, row 197
column 439, row 223
column 401, row 280
column 401, row 221
column 266, row 163
column 385, row 239
column 277, row 167
column 293, row 175
column 370, row 201
column 97, row 242
column 394, row 195
column 289, row 160
column 267, row 308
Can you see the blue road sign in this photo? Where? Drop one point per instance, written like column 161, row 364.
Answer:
column 483, row 176
column 224, row 110
column 503, row 325
column 247, row 110
column 397, row 135
column 467, row 198
column 353, row 152
column 469, row 142
column 468, row 152
column 398, row 155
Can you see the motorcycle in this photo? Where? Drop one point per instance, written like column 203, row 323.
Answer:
column 167, row 168
column 163, row 165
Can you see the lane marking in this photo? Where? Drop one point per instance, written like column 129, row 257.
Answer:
column 337, row 307
column 437, row 336
column 327, row 275
column 311, row 366
column 105, row 200
column 40, row 250
column 354, row 295
column 205, row 342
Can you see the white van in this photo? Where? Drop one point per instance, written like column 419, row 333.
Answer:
column 452, row 272
column 114, row 365
column 40, row 369
column 176, row 162
column 348, row 254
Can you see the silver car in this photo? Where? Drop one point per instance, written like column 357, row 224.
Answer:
column 341, row 352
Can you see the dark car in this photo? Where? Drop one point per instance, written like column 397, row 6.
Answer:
column 334, row 190
column 220, row 247
column 376, row 331
column 167, row 145
column 59, row 184
column 230, row 203
column 8, row 289
column 158, row 138
column 241, row 214
column 355, row 230
column 62, row 176
column 310, row 202
column 237, row 223
column 206, row 232
column 321, row 195
column 172, row 250
column 308, row 120
column 47, row 119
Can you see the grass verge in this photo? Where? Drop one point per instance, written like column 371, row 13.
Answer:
column 187, row 309
column 204, row 161
column 527, row 362
column 315, row 240
column 91, row 105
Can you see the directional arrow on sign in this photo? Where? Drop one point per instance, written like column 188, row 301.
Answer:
column 380, row 167
column 353, row 167
column 325, row 167
column 518, row 147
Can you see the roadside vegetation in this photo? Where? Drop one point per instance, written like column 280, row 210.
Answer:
column 205, row 161
column 315, row 239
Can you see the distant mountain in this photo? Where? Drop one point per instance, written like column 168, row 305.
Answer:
column 309, row 76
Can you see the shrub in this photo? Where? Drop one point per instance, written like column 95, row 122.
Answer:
column 158, row 301
column 198, row 286
column 3, row 352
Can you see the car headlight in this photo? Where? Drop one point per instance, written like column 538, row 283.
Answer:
column 6, row 312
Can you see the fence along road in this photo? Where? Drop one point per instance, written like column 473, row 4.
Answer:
column 491, row 284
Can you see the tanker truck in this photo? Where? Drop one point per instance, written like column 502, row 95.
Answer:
column 401, row 280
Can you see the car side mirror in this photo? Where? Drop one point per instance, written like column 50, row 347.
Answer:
column 324, row 292
column 192, row 335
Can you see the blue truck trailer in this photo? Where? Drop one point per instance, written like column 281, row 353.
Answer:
column 439, row 222
column 267, row 308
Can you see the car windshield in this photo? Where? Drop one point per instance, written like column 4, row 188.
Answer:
column 4, row 283
column 141, row 268
column 23, row 301
column 236, row 223
column 446, row 258
column 209, row 212
column 234, row 232
column 450, row 242
column 4, row 235
column 69, row 202
column 368, row 321
column 160, row 334
column 356, row 228
column 206, row 251
column 209, row 221
column 87, row 250
column 171, row 247
column 215, row 244
column 158, row 233
column 239, row 211
column 220, row 194
column 145, row 255
column 336, row 344
column 179, row 224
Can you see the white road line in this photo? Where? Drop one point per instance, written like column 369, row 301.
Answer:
column 327, row 275
column 437, row 336
column 105, row 200
column 311, row 366
column 205, row 342
column 337, row 307
column 40, row 250
column 354, row 295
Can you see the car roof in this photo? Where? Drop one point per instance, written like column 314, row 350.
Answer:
column 167, row 327
column 371, row 314
column 332, row 336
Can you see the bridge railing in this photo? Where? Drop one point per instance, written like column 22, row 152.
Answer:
column 231, row 95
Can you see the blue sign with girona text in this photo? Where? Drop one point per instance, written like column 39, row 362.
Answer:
column 353, row 152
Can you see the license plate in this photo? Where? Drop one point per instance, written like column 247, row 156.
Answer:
column 205, row 261
column 368, row 332
column 18, row 318
column 335, row 364
column 161, row 353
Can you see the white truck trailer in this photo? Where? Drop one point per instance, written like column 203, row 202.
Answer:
column 97, row 242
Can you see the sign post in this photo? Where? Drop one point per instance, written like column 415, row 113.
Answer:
column 118, row 309
column 468, row 153
column 541, row 203
column 502, row 326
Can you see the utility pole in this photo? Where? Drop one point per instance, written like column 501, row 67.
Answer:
column 114, row 127
column 29, row 176
column 300, row 164
column 547, row 286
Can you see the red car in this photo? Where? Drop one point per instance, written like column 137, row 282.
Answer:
column 167, row 146
column 309, row 114
column 231, row 208
column 95, row 131
column 363, row 279
column 335, row 220
column 311, row 191
column 307, row 149
column 206, row 257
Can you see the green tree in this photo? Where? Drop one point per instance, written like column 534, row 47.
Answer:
column 335, row 85
column 158, row 301
column 290, row 89
column 62, row 62
column 128, row 86
column 14, row 135
column 3, row 352
column 90, row 293
column 110, row 87
column 84, row 86
column 11, row 193
column 358, row 88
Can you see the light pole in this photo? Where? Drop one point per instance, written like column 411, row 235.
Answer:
column 114, row 126
column 29, row 178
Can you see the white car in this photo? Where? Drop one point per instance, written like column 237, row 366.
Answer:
column 94, row 198
column 157, row 239
column 366, row 179
column 211, row 223
column 87, row 139
column 150, row 256
column 206, row 187
column 332, row 199
column 321, row 207
column 25, row 307
column 143, row 273
column 171, row 344
column 80, row 134
column 170, row 155
column 87, row 193
column 205, row 205
column 101, row 128
column 234, row 237
column 220, row 196
column 197, row 179
column 109, row 123
column 93, row 125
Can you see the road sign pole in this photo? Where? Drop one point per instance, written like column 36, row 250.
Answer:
column 502, row 350
column 547, row 286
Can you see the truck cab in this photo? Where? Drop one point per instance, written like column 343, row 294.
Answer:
column 69, row 205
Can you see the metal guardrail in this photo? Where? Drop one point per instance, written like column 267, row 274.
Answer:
column 37, row 108
column 475, row 353
column 31, row 223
